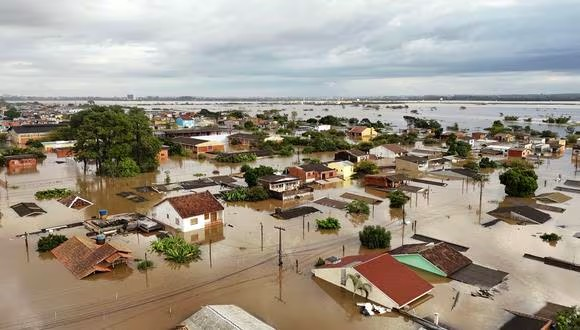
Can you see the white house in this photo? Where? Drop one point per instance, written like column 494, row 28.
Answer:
column 388, row 151
column 321, row 128
column 189, row 212
column 391, row 283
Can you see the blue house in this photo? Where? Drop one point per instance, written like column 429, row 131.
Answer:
column 185, row 121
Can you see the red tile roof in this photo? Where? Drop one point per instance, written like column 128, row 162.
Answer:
column 394, row 279
column 195, row 204
column 442, row 255
column 395, row 148
column 358, row 129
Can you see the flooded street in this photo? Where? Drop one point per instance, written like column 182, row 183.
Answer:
column 38, row 292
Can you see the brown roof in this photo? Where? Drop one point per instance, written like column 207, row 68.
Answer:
column 83, row 257
column 395, row 148
column 393, row 278
column 441, row 255
column 358, row 129
column 195, row 204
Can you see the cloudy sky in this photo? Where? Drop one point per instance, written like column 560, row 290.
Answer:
column 288, row 47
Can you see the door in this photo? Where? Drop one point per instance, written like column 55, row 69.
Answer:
column 214, row 217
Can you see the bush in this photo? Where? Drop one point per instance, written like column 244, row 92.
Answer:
column 357, row 207
column 176, row 249
column 568, row 319
column 243, row 157
column 375, row 237
column 365, row 167
column 553, row 237
column 398, row 199
column 145, row 264
column 328, row 223
column 124, row 168
column 52, row 193
column 49, row 242
column 485, row 162
column 240, row 194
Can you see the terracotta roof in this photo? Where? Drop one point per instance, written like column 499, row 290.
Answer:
column 357, row 129
column 441, row 255
column 395, row 148
column 192, row 205
column 394, row 279
column 83, row 257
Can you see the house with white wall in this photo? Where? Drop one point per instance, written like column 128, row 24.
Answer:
column 189, row 212
column 392, row 284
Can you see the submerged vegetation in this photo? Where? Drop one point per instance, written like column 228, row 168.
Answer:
column 398, row 199
column 550, row 238
column 144, row 264
column 357, row 207
column 55, row 193
column 242, row 157
column 557, row 120
column 375, row 237
column 519, row 181
column 240, row 194
column 49, row 242
column 176, row 249
column 328, row 223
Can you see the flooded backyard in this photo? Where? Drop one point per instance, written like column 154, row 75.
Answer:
column 38, row 292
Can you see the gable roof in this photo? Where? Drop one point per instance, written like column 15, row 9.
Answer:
column 27, row 209
column 195, row 204
column 26, row 129
column 75, row 202
column 224, row 317
column 82, row 257
column 188, row 141
column 315, row 168
column 394, row 279
column 441, row 255
column 525, row 211
column 358, row 129
column 413, row 159
column 278, row 178
column 395, row 148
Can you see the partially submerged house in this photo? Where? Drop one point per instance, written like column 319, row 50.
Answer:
column 243, row 139
column 361, row 132
column 19, row 135
column 519, row 153
column 312, row 172
column 284, row 187
column 392, row 284
column 83, row 257
column 412, row 163
column 223, row 317
column 440, row 259
column 163, row 153
column 344, row 168
column 75, row 202
column 23, row 161
column 189, row 212
column 388, row 181
column 521, row 213
column 198, row 146
column 353, row 155
column 390, row 150
column 504, row 137
column 27, row 209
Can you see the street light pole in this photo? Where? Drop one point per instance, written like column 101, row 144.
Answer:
column 280, row 229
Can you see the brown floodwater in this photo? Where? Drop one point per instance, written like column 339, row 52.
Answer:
column 36, row 291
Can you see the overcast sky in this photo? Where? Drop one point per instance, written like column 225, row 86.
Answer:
column 288, row 47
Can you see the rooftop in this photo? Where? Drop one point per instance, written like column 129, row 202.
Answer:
column 357, row 129
column 442, row 255
column 224, row 317
column 195, row 204
column 395, row 148
column 188, row 141
column 315, row 168
column 278, row 178
column 26, row 129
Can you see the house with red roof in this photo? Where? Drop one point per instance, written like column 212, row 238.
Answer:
column 391, row 283
column 189, row 212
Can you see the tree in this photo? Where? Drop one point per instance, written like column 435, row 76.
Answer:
column 485, row 162
column 248, row 125
column 357, row 207
column 359, row 285
column 11, row 113
column 568, row 319
column 49, row 242
column 548, row 134
column 251, row 175
column 519, row 182
column 470, row 164
column 366, row 167
column 398, row 199
column 365, row 146
column 34, row 144
column 459, row 148
column 328, row 224
column 375, row 237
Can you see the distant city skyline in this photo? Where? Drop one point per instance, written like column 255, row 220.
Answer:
column 299, row 48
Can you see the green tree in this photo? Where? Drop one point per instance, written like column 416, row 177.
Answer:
column 328, row 224
column 398, row 199
column 474, row 166
column 34, row 144
column 568, row 319
column 365, row 167
column 251, row 175
column 49, row 242
column 248, row 125
column 485, row 162
column 357, row 207
column 11, row 113
column 375, row 237
column 519, row 182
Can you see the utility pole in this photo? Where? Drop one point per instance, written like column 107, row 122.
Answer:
column 210, row 262
column 280, row 229
column 303, row 218
column 262, row 236
column 403, row 232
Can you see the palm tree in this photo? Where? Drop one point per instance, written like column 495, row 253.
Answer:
column 481, row 178
column 359, row 285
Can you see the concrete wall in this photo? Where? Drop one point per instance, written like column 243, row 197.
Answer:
column 166, row 214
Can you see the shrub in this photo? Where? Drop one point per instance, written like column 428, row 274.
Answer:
column 485, row 162
column 398, row 199
column 366, row 167
column 357, row 207
column 375, row 237
column 52, row 193
column 553, row 237
column 176, row 249
column 49, row 242
column 328, row 223
column 568, row 319
column 558, row 120
column 240, row 194
column 145, row 264
column 236, row 158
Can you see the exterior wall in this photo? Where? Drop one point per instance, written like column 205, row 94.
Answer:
column 64, row 152
column 417, row 261
column 381, row 181
column 283, row 186
column 163, row 154
column 299, row 173
column 346, row 171
column 166, row 214
column 333, row 275
column 185, row 123
column 209, row 147
column 382, row 152
column 325, row 175
column 21, row 139
column 21, row 163
column 403, row 165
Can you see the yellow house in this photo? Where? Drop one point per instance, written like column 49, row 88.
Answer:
column 362, row 132
column 344, row 168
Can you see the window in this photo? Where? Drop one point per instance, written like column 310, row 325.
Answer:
column 194, row 221
column 206, row 216
column 167, row 215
